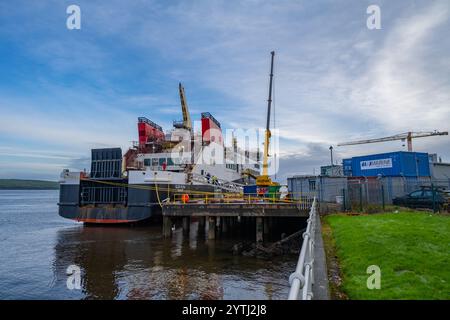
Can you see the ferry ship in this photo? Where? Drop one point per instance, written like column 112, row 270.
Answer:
column 131, row 187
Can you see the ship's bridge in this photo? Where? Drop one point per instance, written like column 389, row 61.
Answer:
column 170, row 161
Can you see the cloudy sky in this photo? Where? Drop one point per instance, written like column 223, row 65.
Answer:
column 64, row 91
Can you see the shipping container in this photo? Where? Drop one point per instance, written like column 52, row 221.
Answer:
column 393, row 164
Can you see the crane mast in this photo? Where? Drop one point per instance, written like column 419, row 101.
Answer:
column 264, row 179
column 408, row 136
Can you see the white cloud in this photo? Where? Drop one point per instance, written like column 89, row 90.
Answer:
column 399, row 88
column 334, row 79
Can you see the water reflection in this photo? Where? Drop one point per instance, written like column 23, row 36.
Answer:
column 137, row 263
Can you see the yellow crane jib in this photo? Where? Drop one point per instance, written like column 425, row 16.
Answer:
column 186, row 123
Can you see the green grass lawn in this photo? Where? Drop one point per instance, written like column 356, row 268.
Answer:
column 412, row 250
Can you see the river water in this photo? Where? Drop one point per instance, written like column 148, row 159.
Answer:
column 37, row 247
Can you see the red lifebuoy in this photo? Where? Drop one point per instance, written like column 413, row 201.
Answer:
column 185, row 198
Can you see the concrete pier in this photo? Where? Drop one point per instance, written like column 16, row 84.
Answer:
column 246, row 216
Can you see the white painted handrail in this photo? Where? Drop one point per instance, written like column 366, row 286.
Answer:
column 302, row 279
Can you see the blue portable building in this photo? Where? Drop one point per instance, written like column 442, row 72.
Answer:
column 401, row 163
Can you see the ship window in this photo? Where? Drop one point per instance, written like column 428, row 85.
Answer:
column 155, row 161
column 312, row 185
column 147, row 162
column 161, row 161
column 169, row 161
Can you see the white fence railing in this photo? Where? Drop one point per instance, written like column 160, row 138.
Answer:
column 302, row 279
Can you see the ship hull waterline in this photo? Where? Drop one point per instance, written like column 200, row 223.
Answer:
column 141, row 206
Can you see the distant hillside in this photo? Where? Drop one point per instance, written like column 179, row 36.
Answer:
column 19, row 184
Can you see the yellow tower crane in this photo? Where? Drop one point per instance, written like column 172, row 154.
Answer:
column 408, row 136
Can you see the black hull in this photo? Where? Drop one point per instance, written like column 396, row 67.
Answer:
column 139, row 204
column 105, row 213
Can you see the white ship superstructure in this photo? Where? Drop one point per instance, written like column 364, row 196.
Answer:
column 131, row 187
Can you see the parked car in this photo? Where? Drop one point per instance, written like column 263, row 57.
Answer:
column 423, row 198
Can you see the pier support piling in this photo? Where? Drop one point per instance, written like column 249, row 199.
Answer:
column 225, row 222
column 167, row 227
column 211, row 228
column 218, row 221
column 186, row 224
column 201, row 224
column 266, row 226
column 259, row 230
